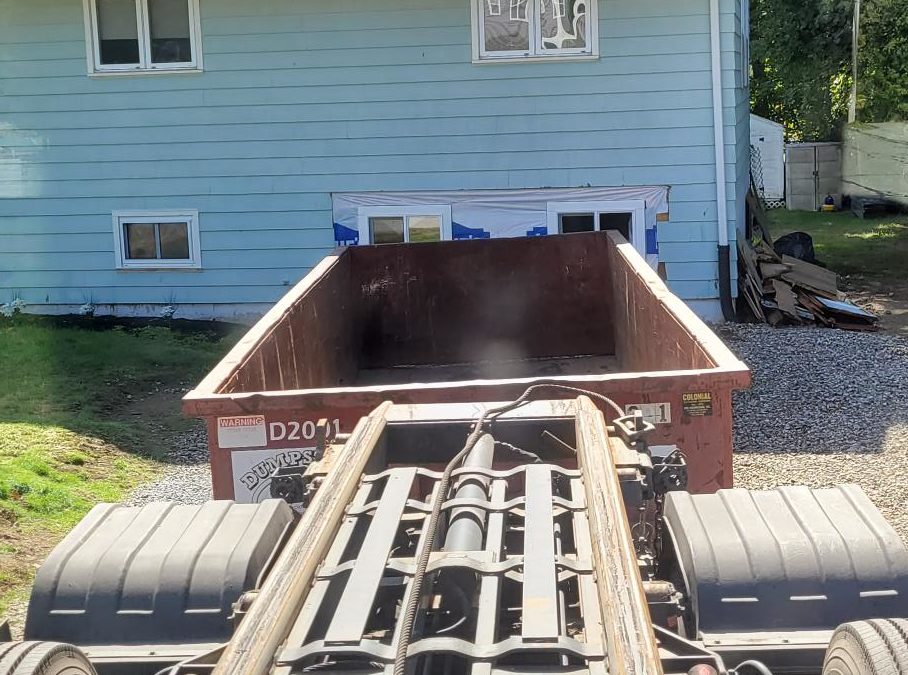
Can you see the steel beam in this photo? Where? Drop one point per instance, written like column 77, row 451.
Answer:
column 352, row 612
column 630, row 641
column 540, row 599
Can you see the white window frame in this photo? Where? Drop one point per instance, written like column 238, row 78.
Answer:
column 535, row 52
column 636, row 207
column 190, row 217
column 145, row 65
column 364, row 213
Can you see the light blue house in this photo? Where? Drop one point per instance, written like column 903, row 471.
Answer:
column 204, row 154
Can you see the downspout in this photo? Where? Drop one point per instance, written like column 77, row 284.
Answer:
column 724, row 256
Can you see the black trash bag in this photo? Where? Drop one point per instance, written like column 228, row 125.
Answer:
column 798, row 245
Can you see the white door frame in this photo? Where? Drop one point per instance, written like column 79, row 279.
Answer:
column 636, row 207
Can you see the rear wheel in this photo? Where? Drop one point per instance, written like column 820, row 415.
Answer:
column 873, row 647
column 43, row 658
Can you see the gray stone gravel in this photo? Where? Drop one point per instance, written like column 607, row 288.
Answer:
column 186, row 479
column 826, row 407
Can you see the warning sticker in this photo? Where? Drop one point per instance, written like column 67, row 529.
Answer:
column 246, row 431
column 697, row 404
column 654, row 413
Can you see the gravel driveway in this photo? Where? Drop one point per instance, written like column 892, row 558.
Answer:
column 826, row 407
column 187, row 479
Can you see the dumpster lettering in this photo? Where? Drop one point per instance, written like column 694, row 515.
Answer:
column 263, row 470
column 697, row 404
column 252, row 470
column 296, row 431
column 654, row 413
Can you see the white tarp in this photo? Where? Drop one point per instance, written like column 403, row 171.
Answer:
column 481, row 214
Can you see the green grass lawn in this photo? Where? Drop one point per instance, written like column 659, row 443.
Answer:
column 875, row 247
column 85, row 416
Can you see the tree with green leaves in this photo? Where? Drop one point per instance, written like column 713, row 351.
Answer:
column 801, row 60
column 883, row 61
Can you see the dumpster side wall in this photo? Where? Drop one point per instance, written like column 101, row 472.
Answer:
column 313, row 344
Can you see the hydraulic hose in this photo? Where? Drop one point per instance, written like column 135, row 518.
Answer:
column 412, row 607
column 758, row 666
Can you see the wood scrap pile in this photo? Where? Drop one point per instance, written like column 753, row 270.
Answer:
column 786, row 290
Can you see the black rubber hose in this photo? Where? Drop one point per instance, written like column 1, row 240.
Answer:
column 759, row 666
column 409, row 615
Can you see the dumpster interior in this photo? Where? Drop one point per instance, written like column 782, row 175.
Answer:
column 448, row 313
column 403, row 314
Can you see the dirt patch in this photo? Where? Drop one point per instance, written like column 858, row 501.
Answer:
column 20, row 555
column 887, row 298
column 159, row 415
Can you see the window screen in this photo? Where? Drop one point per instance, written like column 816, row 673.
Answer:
column 157, row 241
column 562, row 24
column 588, row 222
column 617, row 221
column 387, row 230
column 505, row 25
column 576, row 222
column 517, row 29
column 169, row 28
column 424, row 228
column 174, row 240
column 140, row 241
column 118, row 34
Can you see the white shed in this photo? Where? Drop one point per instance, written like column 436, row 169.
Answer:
column 767, row 141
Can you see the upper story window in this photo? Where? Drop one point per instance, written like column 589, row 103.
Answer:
column 534, row 29
column 129, row 36
column 157, row 239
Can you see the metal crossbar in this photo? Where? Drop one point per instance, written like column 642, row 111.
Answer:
column 530, row 594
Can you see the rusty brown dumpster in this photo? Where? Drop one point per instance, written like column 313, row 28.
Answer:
column 467, row 321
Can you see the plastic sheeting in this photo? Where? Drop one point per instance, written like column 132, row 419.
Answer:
column 483, row 214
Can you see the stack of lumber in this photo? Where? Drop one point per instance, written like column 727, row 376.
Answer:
column 785, row 290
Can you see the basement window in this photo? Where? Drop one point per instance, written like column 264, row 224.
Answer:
column 520, row 30
column 157, row 240
column 624, row 216
column 136, row 36
column 404, row 224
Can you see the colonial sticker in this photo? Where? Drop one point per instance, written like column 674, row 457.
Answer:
column 245, row 431
column 252, row 470
column 697, row 403
column 654, row 413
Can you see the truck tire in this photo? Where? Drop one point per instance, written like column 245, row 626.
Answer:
column 43, row 658
column 873, row 647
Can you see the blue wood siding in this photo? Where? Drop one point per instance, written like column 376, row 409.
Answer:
column 298, row 101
